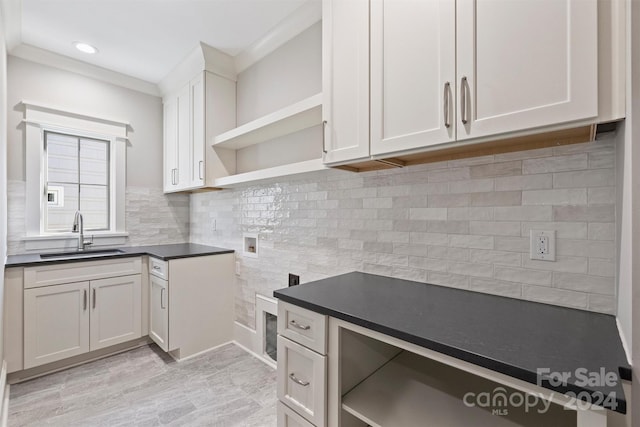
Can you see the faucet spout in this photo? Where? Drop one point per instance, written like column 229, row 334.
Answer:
column 78, row 227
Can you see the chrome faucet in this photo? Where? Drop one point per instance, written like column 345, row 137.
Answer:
column 78, row 227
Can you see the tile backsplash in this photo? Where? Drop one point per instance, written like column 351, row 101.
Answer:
column 461, row 223
column 151, row 217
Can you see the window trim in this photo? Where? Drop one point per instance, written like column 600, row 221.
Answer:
column 39, row 119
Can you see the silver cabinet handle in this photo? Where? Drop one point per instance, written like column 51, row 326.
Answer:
column 162, row 306
column 324, row 127
column 200, row 164
column 94, row 298
column 85, row 300
column 299, row 326
column 173, row 177
column 447, row 89
column 463, row 100
column 176, row 175
column 156, row 267
column 298, row 381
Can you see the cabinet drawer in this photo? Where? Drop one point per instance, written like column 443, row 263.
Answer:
column 159, row 268
column 302, row 381
column 47, row 275
column 303, row 326
column 287, row 417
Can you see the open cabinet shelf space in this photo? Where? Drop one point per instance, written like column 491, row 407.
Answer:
column 301, row 115
column 411, row 390
column 274, row 172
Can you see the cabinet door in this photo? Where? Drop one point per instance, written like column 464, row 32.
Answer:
column 159, row 312
column 116, row 311
column 170, row 159
column 345, row 85
column 198, row 123
column 412, row 74
column 56, row 323
column 525, row 64
column 184, row 138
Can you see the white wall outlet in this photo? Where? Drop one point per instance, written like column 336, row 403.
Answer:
column 543, row 245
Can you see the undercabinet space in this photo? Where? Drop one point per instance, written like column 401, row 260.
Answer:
column 411, row 390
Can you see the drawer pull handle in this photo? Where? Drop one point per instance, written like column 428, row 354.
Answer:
column 299, row 326
column 155, row 267
column 84, row 301
column 162, row 306
column 298, row 381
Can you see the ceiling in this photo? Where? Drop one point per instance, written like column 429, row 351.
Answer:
column 147, row 38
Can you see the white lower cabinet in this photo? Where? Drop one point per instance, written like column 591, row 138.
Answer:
column 302, row 380
column 287, row 417
column 56, row 323
column 116, row 311
column 70, row 319
column 159, row 312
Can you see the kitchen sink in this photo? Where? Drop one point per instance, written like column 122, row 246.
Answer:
column 82, row 254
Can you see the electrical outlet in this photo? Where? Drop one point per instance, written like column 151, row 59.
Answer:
column 543, row 245
column 294, row 279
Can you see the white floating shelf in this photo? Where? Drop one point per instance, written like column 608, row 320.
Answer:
column 414, row 391
column 301, row 115
column 275, row 172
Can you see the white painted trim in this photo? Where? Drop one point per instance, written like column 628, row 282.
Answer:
column 4, row 395
column 80, row 115
column 12, row 20
column 625, row 345
column 52, row 59
column 298, row 21
column 202, row 58
column 274, row 172
column 246, row 338
column 39, row 243
column 200, row 353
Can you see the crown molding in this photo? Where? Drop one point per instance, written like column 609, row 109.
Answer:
column 46, row 57
column 294, row 24
column 11, row 11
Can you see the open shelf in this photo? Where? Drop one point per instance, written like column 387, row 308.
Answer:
column 411, row 390
column 268, row 173
column 301, row 115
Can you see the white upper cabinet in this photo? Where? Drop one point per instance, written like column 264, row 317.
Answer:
column 184, row 135
column 525, row 64
column 412, row 74
column 345, row 79
column 403, row 76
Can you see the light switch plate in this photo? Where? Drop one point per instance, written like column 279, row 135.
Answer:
column 543, row 245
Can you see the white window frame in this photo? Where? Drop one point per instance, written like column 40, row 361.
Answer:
column 39, row 119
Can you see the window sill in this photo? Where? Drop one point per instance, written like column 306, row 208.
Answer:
column 69, row 241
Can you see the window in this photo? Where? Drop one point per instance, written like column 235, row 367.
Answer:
column 77, row 178
column 73, row 162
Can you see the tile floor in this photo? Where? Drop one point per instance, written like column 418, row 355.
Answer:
column 145, row 387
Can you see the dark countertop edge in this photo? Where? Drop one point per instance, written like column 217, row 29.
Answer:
column 458, row 353
column 128, row 252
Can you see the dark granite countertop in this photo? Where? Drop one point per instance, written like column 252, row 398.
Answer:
column 164, row 252
column 507, row 335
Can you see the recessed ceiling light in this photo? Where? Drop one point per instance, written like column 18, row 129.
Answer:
column 84, row 47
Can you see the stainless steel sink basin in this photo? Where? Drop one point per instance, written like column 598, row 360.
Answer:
column 82, row 254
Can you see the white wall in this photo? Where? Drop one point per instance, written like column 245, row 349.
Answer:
column 65, row 90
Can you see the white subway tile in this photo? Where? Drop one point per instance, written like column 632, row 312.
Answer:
column 493, row 228
column 602, row 231
column 466, row 214
column 512, row 244
column 595, row 213
column 377, row 203
column 447, row 279
column 449, row 227
column 496, row 198
column 602, row 196
column 555, row 164
column 564, row 230
column 497, row 169
column 555, row 197
column 584, row 283
column 393, row 236
column 555, row 296
column 602, row 303
column 480, row 256
column 584, row 179
column 525, row 182
column 448, row 175
column 566, row 264
column 602, row 267
column 471, row 186
column 471, row 269
column 448, row 200
column 477, row 242
column 448, row 253
column 495, row 287
column 523, row 213
column 428, row 263
column 428, row 213
column 439, row 239
column 410, row 249
column 523, row 275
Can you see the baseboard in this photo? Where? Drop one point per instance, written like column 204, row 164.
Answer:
column 200, row 353
column 4, row 395
column 247, row 339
